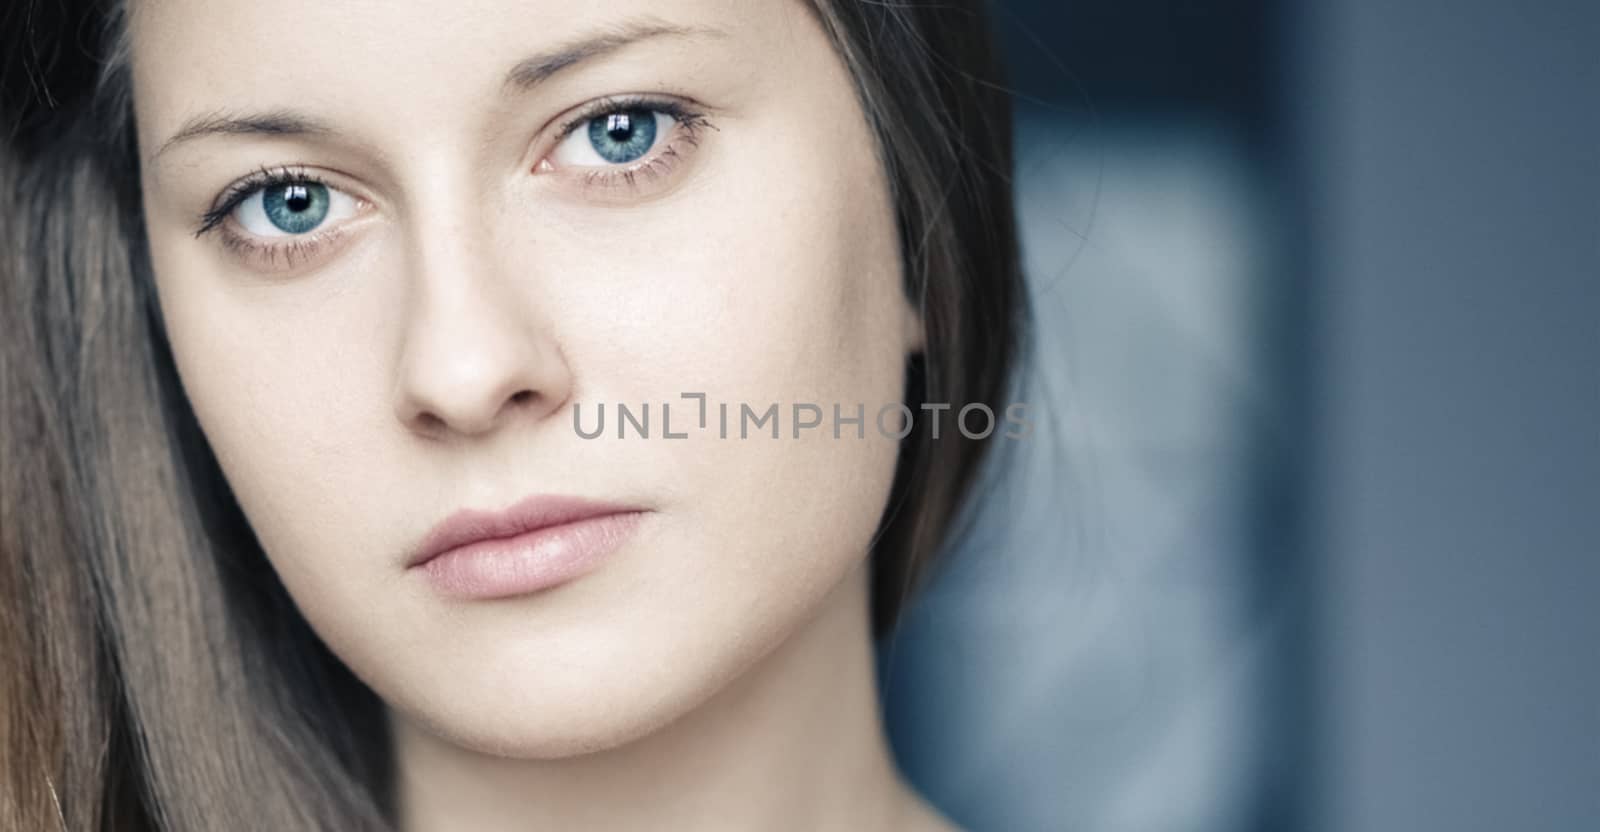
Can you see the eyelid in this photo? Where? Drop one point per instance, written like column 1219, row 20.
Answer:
column 688, row 118
column 674, row 106
column 236, row 192
column 277, row 253
column 577, row 151
column 251, row 211
column 280, row 253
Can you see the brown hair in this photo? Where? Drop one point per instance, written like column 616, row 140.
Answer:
column 154, row 673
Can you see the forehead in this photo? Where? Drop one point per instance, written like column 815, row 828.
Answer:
column 395, row 59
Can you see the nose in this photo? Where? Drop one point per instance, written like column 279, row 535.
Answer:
column 478, row 352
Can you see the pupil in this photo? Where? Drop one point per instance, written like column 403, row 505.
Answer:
column 296, row 198
column 619, row 127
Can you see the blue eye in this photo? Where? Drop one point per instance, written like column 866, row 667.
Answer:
column 291, row 208
column 295, row 208
column 620, row 138
column 631, row 146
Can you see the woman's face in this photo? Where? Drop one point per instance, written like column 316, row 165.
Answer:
column 497, row 210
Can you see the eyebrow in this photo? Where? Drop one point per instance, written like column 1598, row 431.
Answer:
column 526, row 74
column 221, row 123
column 533, row 71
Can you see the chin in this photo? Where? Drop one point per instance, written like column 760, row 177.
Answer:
column 548, row 703
column 559, row 733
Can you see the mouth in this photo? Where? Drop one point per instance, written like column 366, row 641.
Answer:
column 538, row 543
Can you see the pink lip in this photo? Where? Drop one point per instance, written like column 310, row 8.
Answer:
column 537, row 543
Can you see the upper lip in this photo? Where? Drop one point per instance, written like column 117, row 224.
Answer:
column 529, row 514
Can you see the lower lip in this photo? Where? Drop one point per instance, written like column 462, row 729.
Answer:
column 529, row 562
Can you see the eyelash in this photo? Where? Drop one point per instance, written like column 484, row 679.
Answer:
column 689, row 125
column 288, row 250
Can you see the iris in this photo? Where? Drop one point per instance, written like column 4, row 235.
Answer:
column 623, row 137
column 297, row 207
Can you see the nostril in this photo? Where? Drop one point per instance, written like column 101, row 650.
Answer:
column 430, row 422
column 472, row 419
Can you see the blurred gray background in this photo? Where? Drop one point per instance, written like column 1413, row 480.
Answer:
column 1309, row 537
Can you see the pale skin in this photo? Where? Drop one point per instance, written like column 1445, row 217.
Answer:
column 418, row 349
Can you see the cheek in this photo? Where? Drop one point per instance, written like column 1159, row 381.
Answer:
column 788, row 292
column 774, row 279
column 287, row 386
column 797, row 300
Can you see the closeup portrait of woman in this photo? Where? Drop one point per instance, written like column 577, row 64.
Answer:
column 496, row 415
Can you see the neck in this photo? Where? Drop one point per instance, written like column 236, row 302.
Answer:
column 796, row 742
